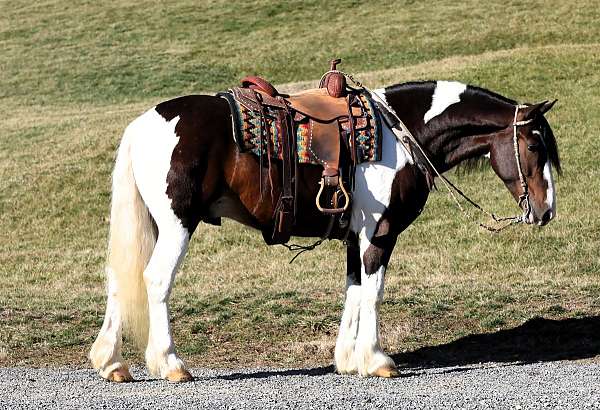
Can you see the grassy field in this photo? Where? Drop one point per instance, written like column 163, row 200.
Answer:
column 72, row 77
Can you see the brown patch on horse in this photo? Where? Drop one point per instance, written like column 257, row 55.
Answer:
column 195, row 176
column 207, row 167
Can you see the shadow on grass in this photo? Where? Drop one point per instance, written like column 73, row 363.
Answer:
column 537, row 340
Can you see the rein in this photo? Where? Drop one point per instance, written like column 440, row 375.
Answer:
column 405, row 136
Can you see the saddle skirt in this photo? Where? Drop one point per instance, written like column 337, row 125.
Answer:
column 320, row 123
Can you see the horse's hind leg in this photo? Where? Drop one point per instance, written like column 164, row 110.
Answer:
column 106, row 350
column 171, row 246
column 345, row 361
column 152, row 167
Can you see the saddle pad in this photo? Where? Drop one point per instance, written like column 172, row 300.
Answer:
column 249, row 124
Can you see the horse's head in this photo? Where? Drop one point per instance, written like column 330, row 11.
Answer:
column 523, row 157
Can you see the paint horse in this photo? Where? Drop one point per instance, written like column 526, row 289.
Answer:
column 178, row 165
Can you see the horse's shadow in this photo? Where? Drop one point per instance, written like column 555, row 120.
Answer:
column 537, row 340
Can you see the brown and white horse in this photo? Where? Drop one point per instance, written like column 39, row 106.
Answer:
column 178, row 164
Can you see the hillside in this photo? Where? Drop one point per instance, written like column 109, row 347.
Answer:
column 73, row 76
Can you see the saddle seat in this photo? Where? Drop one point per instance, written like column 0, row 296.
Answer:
column 318, row 105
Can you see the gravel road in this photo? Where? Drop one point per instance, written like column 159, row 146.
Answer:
column 561, row 385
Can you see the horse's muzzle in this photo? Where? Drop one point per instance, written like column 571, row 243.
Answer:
column 547, row 217
column 532, row 218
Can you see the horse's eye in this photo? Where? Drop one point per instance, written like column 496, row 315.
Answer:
column 533, row 147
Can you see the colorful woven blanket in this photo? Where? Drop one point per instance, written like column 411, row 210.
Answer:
column 249, row 126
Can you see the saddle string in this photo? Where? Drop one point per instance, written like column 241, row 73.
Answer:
column 300, row 249
column 265, row 139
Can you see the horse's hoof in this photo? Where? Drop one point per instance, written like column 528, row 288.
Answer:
column 179, row 376
column 120, row 375
column 387, row 372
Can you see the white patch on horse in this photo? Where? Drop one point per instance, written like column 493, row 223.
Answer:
column 151, row 151
column 373, row 185
column 344, row 358
column 446, row 94
column 369, row 355
column 550, row 192
column 152, row 145
column 106, row 350
column 550, row 199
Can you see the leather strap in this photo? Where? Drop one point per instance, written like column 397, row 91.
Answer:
column 284, row 211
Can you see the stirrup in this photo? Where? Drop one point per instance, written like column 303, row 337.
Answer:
column 332, row 211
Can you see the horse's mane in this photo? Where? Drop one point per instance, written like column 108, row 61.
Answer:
column 473, row 89
column 482, row 162
column 475, row 164
column 551, row 146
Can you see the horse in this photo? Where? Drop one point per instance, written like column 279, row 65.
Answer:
column 178, row 165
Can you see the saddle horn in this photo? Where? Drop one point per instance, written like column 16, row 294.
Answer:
column 334, row 81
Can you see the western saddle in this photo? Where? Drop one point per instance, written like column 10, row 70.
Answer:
column 326, row 108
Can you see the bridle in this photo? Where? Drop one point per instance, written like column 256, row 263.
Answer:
column 524, row 201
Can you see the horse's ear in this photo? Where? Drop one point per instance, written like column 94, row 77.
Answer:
column 532, row 111
column 547, row 106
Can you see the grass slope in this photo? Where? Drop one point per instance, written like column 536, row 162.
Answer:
column 72, row 77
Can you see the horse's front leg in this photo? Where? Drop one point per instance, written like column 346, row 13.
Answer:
column 358, row 348
column 375, row 254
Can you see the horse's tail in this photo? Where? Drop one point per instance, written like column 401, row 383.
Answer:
column 131, row 241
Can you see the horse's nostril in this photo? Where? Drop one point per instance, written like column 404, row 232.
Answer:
column 547, row 216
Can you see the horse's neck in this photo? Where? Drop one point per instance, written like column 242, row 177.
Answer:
column 458, row 130
column 459, row 142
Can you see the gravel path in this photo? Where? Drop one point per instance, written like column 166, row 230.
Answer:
column 561, row 385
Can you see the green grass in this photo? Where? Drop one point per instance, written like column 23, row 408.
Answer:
column 73, row 77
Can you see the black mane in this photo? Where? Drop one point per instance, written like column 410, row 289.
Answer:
column 551, row 146
column 482, row 91
column 475, row 93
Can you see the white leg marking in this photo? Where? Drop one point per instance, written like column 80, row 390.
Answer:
column 446, row 93
column 368, row 351
column 106, row 350
column 159, row 275
column 345, row 362
column 151, row 160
